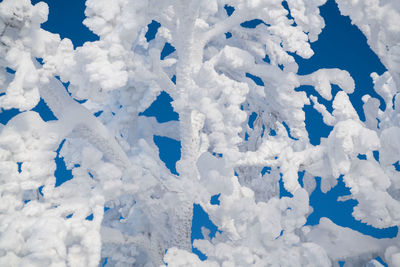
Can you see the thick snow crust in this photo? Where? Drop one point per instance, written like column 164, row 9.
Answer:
column 123, row 204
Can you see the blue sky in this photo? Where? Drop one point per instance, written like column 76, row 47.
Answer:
column 340, row 45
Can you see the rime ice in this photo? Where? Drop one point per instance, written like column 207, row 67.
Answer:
column 123, row 204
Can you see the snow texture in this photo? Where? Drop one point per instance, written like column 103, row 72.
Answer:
column 123, row 206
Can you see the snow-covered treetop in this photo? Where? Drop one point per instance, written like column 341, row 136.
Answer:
column 123, row 204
